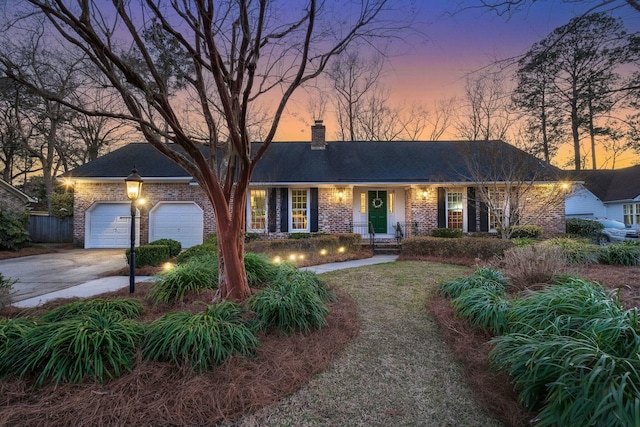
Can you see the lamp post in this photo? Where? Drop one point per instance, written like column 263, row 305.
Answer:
column 134, row 189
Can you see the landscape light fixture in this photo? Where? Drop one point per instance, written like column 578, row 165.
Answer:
column 134, row 191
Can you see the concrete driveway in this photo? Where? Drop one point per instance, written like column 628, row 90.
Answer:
column 42, row 274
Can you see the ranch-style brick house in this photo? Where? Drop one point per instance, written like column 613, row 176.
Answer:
column 299, row 187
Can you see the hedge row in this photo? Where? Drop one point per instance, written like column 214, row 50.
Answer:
column 155, row 253
column 467, row 247
column 312, row 243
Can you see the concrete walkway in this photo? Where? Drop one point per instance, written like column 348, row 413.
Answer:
column 114, row 283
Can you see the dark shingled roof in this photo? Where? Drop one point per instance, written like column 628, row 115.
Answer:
column 611, row 185
column 346, row 162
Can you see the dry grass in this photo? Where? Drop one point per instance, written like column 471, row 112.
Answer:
column 398, row 370
column 412, row 363
column 533, row 265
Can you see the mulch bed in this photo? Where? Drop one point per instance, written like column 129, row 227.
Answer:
column 157, row 394
column 471, row 346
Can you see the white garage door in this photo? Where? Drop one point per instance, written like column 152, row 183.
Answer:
column 108, row 225
column 178, row 221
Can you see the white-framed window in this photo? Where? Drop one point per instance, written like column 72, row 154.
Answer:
column 257, row 211
column 501, row 205
column 455, row 209
column 363, row 202
column 497, row 206
column 299, row 210
column 631, row 213
column 391, row 202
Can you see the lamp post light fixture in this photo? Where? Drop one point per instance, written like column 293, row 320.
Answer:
column 134, row 190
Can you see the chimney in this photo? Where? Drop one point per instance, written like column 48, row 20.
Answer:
column 318, row 141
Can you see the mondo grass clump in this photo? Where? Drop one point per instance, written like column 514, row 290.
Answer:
column 572, row 353
column 12, row 330
column 576, row 251
column 291, row 303
column 200, row 341
column 484, row 277
column 570, row 302
column 624, row 253
column 194, row 275
column 289, row 273
column 483, row 308
column 130, row 308
column 259, row 268
column 94, row 346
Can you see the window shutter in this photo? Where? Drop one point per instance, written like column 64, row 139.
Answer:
column 313, row 210
column 484, row 217
column 471, row 209
column 273, row 195
column 442, row 206
column 284, row 210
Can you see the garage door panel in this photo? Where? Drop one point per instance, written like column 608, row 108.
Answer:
column 178, row 221
column 109, row 226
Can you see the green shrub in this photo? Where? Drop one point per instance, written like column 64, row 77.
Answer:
column 250, row 237
column 95, row 345
column 149, row 255
column 572, row 379
column 12, row 330
column 520, row 242
column 211, row 239
column 594, row 387
column 6, row 286
column 483, row 308
column 449, row 233
column 201, row 340
column 577, row 251
column 259, row 268
column 130, row 308
column 174, row 246
column 288, row 305
column 196, row 274
column 312, row 245
column 571, row 298
column 298, row 236
column 485, row 278
column 468, row 247
column 533, row 264
column 62, row 204
column 289, row 273
column 526, row 232
column 623, row 253
column 13, row 231
column 205, row 249
column 583, row 228
column 572, row 354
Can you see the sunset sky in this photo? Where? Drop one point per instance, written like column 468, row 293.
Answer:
column 458, row 40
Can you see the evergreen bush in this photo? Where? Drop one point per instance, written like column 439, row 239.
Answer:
column 174, row 246
column 13, row 231
column 149, row 255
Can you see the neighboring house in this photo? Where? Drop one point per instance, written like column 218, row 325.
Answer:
column 12, row 199
column 335, row 187
column 606, row 193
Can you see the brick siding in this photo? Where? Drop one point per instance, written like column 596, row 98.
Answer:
column 10, row 202
column 334, row 214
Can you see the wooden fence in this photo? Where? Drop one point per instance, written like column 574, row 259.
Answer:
column 49, row 229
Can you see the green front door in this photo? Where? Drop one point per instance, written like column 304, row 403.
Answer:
column 378, row 210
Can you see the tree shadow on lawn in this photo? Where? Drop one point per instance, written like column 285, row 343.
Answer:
column 158, row 394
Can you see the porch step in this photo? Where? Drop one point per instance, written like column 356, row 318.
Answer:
column 383, row 248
